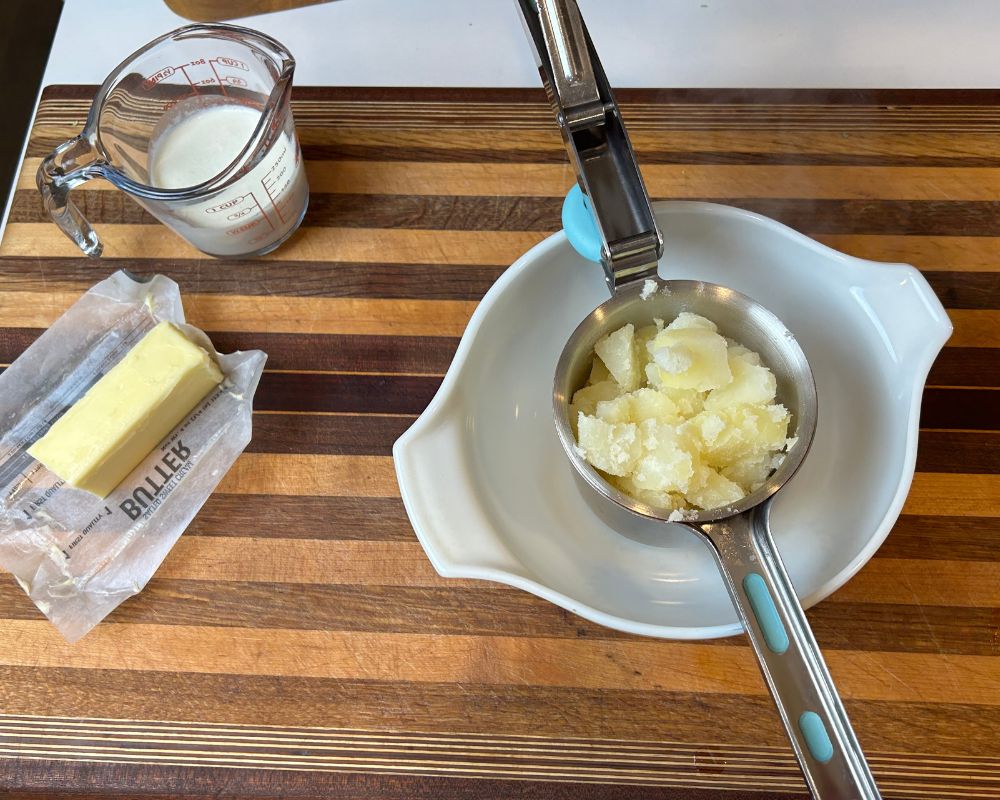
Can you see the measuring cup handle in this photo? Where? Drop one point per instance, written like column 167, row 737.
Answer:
column 811, row 710
column 69, row 165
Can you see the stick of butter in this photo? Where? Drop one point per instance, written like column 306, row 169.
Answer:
column 123, row 416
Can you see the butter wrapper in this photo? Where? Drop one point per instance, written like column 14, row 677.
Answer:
column 76, row 555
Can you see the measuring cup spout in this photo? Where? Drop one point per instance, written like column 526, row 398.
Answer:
column 69, row 165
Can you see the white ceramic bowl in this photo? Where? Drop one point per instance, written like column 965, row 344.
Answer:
column 491, row 494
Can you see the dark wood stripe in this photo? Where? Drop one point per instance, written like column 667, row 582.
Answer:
column 303, row 517
column 966, row 366
column 942, row 408
column 290, row 351
column 329, row 435
column 387, row 394
column 405, row 394
column 714, row 96
column 556, row 154
column 515, row 710
column 960, row 408
column 959, row 451
column 490, row 610
column 946, row 538
column 894, row 217
column 384, row 519
column 473, row 213
column 966, row 290
column 383, row 353
column 34, row 779
column 266, row 278
column 938, row 451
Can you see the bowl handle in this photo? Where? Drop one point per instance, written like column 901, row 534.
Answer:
column 434, row 501
column 904, row 309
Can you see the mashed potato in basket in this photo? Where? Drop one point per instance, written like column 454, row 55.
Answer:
column 679, row 417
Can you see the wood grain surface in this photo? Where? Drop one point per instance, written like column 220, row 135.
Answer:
column 297, row 643
column 209, row 10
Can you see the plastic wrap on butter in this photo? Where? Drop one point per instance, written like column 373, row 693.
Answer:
column 78, row 555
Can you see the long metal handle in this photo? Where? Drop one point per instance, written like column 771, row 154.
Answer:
column 572, row 70
column 596, row 140
column 811, row 710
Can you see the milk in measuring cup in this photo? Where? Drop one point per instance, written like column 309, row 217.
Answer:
column 253, row 214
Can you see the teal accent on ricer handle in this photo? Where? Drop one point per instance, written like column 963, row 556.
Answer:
column 775, row 635
column 816, row 737
column 580, row 226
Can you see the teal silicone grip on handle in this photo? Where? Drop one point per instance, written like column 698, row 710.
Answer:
column 580, row 226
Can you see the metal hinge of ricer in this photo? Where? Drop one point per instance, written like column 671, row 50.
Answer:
column 595, row 137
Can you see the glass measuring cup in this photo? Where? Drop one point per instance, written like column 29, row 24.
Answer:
column 197, row 127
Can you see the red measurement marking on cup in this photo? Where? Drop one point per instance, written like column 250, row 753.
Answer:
column 215, row 72
column 160, row 75
column 271, row 181
column 190, row 70
column 237, row 208
column 231, row 62
column 184, row 69
column 241, row 229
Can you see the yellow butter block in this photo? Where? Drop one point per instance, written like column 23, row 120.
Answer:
column 123, row 416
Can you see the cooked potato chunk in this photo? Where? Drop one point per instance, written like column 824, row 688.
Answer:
column 679, row 417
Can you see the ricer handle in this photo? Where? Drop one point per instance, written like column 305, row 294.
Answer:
column 596, row 140
column 810, row 707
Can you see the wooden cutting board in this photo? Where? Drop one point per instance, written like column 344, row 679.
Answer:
column 297, row 643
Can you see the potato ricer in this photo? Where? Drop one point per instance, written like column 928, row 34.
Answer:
column 608, row 219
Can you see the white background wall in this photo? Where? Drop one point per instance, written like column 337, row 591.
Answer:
column 696, row 43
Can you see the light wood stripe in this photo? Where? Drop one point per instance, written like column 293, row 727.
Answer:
column 302, row 474
column 367, row 245
column 883, row 580
column 975, row 328
column 482, row 248
column 338, row 315
column 954, row 495
column 941, row 494
column 942, row 253
column 302, row 561
column 612, row 664
column 255, row 313
column 674, row 181
column 917, row 582
column 380, row 563
column 55, row 125
column 680, row 182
